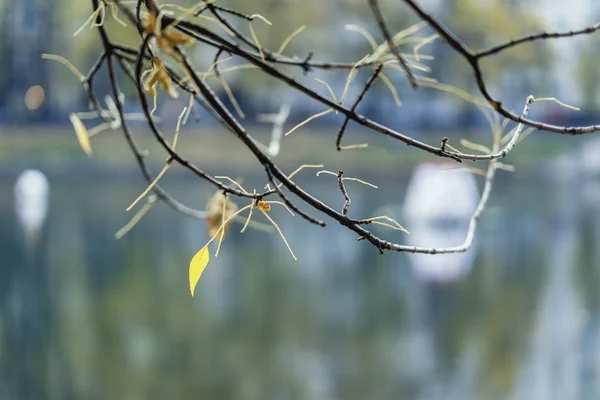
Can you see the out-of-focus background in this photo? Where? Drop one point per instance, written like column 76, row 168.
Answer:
column 84, row 316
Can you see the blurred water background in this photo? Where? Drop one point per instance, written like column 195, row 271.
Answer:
column 83, row 316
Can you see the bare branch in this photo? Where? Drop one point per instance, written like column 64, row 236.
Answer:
column 340, row 176
column 161, row 52
column 388, row 38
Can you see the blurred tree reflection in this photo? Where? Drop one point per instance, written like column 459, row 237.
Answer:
column 50, row 30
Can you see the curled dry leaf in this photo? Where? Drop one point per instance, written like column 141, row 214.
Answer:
column 263, row 205
column 166, row 38
column 158, row 75
column 215, row 208
column 82, row 134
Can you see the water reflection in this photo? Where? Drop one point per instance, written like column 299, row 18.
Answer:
column 84, row 316
column 31, row 202
column 438, row 206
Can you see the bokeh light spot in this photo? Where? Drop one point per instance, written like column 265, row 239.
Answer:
column 34, row 97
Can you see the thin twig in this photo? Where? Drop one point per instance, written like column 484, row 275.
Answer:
column 372, row 79
column 340, row 176
column 251, row 53
column 388, row 38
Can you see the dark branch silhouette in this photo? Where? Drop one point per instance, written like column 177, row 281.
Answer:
column 160, row 62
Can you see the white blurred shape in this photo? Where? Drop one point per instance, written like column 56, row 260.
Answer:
column 278, row 120
column 438, row 205
column 440, row 267
column 435, row 191
column 31, row 193
column 588, row 157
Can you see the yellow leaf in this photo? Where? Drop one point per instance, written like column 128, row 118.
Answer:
column 82, row 134
column 197, row 266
